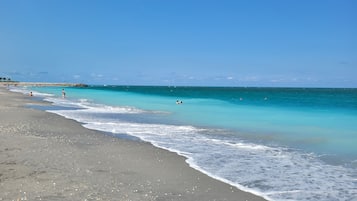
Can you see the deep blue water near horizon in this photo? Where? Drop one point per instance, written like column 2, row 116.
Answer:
column 280, row 143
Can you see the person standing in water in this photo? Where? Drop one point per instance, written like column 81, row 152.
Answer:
column 63, row 94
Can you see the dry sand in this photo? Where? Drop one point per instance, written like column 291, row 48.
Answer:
column 46, row 157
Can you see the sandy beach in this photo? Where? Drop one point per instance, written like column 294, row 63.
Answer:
column 46, row 157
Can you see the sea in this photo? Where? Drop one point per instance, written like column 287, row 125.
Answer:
column 284, row 144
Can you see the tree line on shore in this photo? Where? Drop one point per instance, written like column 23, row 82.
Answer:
column 5, row 79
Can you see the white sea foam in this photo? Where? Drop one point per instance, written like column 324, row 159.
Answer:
column 88, row 107
column 25, row 90
column 276, row 173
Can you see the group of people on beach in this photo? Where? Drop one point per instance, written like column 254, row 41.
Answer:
column 63, row 93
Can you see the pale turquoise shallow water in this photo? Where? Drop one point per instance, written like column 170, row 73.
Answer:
column 281, row 143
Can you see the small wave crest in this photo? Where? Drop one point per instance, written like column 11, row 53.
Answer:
column 89, row 107
column 25, row 90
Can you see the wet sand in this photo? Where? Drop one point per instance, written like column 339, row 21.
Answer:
column 44, row 156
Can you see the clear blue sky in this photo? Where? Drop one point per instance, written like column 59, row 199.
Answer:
column 309, row 43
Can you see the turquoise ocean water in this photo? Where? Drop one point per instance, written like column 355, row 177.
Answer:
column 280, row 143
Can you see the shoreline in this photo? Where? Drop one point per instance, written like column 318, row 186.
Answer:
column 44, row 156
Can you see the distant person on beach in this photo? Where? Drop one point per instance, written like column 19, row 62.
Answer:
column 179, row 102
column 31, row 93
column 63, row 94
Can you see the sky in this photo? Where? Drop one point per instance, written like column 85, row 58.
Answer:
column 260, row 43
